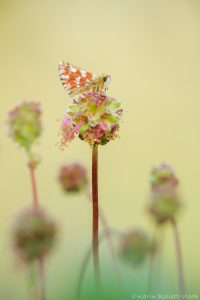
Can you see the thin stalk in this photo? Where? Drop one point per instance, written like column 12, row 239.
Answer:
column 150, row 275
column 42, row 279
column 31, row 280
column 95, row 231
column 36, row 207
column 151, row 268
column 108, row 234
column 161, row 242
column 179, row 258
column 87, row 257
column 33, row 185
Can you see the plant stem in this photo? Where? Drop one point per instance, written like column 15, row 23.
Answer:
column 161, row 242
column 95, row 232
column 36, row 207
column 106, row 228
column 87, row 257
column 42, row 279
column 179, row 258
column 33, row 185
column 31, row 280
column 150, row 275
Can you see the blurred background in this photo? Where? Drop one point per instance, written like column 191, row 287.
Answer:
column 151, row 49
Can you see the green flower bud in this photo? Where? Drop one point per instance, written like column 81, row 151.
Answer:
column 164, row 202
column 135, row 247
column 24, row 123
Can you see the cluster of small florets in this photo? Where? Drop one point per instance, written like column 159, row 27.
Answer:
column 94, row 116
column 135, row 247
column 33, row 235
column 25, row 123
column 73, row 177
column 163, row 175
column 165, row 202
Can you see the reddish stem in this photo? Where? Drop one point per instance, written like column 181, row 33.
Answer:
column 107, row 232
column 95, row 234
column 87, row 258
column 36, row 207
column 33, row 185
column 179, row 259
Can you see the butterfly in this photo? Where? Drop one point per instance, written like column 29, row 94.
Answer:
column 78, row 81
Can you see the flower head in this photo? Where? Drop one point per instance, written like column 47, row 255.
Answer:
column 163, row 175
column 94, row 116
column 164, row 208
column 33, row 235
column 24, row 123
column 165, row 202
column 135, row 246
column 73, row 177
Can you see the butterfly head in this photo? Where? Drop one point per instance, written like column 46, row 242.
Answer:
column 107, row 80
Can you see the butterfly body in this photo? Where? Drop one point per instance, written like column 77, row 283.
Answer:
column 77, row 81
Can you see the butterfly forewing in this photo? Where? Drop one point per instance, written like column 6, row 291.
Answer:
column 78, row 81
column 73, row 77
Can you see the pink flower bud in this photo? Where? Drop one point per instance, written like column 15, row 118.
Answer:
column 33, row 235
column 73, row 177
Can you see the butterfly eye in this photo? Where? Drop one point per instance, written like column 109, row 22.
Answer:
column 107, row 79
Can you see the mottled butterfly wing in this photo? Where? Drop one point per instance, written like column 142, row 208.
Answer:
column 73, row 78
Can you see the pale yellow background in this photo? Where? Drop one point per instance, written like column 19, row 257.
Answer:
column 152, row 50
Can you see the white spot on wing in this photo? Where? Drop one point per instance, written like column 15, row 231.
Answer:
column 83, row 73
column 64, row 76
column 72, row 69
column 60, row 71
column 108, row 81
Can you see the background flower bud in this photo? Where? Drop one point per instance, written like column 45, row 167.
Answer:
column 164, row 200
column 164, row 208
column 33, row 235
column 73, row 177
column 135, row 246
column 163, row 175
column 24, row 123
